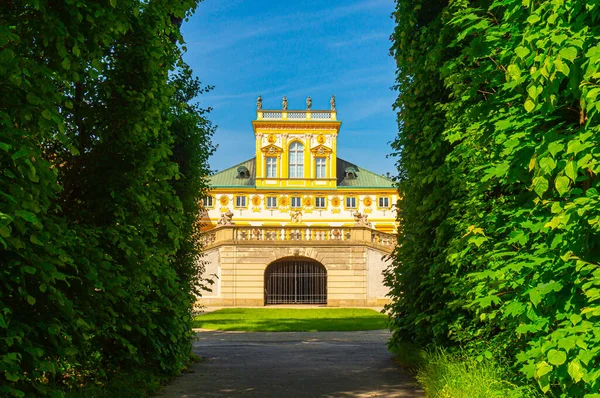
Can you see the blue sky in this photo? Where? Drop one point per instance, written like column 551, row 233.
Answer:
column 298, row 49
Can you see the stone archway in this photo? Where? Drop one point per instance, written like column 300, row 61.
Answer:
column 297, row 280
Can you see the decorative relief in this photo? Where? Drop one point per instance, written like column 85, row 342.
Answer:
column 335, row 203
column 271, row 150
column 321, row 139
column 321, row 150
column 224, row 200
column 296, row 217
column 308, row 203
column 256, row 200
column 272, row 139
column 367, row 201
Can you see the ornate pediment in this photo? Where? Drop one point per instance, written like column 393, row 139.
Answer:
column 271, row 150
column 321, row 150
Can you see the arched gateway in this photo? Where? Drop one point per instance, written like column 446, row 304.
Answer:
column 296, row 281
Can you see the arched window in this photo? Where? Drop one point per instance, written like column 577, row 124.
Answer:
column 296, row 160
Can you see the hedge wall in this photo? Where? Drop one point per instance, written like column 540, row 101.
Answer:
column 102, row 163
column 499, row 149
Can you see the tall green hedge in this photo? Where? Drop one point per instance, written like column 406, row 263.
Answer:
column 499, row 149
column 103, row 161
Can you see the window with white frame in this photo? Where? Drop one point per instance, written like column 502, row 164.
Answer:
column 271, row 202
column 207, row 201
column 271, row 167
column 321, row 167
column 384, row 202
column 296, row 201
column 240, row 201
column 351, row 202
column 296, row 160
column 320, row 203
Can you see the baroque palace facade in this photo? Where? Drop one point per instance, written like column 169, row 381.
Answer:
column 296, row 224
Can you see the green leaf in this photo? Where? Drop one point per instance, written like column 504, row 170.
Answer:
column 32, row 98
column 568, row 53
column 66, row 64
column 521, row 51
column 529, row 105
column 113, row 3
column 556, row 357
column 534, row 91
column 28, row 269
column 547, row 164
column 540, row 185
column 576, row 371
column 27, row 216
column 562, row 184
column 555, row 147
column 514, row 71
column 31, row 300
column 571, row 170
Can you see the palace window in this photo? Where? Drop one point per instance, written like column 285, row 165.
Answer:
column 384, row 202
column 296, row 160
column 320, row 203
column 271, row 167
column 351, row 202
column 321, row 167
column 240, row 201
column 207, row 201
column 296, row 202
column 271, row 202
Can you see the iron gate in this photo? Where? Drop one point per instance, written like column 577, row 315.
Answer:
column 296, row 282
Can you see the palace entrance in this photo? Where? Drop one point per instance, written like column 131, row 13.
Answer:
column 296, row 281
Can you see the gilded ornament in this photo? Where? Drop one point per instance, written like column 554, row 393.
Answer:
column 224, row 200
column 335, row 202
column 272, row 138
column 321, row 139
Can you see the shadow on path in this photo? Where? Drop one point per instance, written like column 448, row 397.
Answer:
column 293, row 364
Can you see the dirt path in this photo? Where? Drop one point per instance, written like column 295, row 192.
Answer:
column 290, row 365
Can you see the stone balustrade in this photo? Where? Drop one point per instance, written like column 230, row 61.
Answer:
column 317, row 115
column 298, row 235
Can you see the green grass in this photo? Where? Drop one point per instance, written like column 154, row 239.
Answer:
column 291, row 319
column 445, row 375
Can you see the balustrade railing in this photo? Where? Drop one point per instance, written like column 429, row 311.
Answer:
column 297, row 115
column 293, row 234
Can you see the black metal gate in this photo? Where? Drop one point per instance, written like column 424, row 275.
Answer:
column 300, row 281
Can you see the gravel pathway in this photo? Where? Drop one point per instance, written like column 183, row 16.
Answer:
column 290, row 365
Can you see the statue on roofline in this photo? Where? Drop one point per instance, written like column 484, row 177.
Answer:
column 332, row 102
column 308, row 103
column 284, row 103
column 259, row 103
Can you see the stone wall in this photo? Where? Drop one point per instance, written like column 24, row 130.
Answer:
column 353, row 273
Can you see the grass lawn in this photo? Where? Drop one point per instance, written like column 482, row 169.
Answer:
column 292, row 319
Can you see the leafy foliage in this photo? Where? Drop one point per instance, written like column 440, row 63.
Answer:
column 499, row 176
column 102, row 164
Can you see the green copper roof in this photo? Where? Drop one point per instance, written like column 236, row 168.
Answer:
column 364, row 178
column 229, row 178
